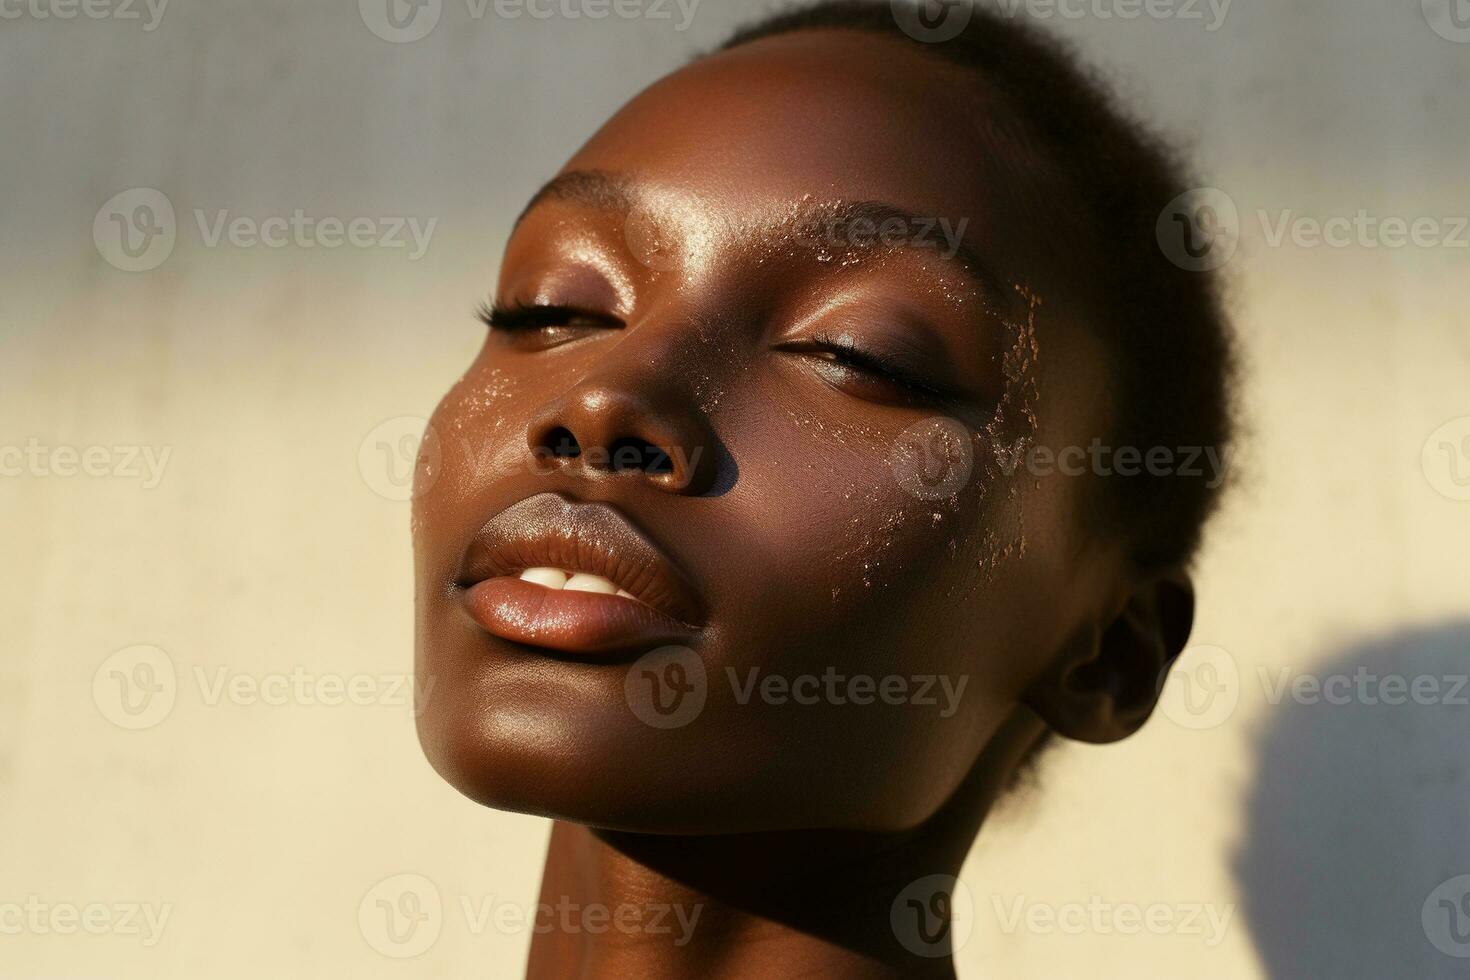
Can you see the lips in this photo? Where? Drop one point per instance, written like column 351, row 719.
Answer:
column 622, row 593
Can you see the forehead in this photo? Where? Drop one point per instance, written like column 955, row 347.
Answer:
column 825, row 115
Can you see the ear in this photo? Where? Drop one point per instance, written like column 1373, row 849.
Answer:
column 1104, row 683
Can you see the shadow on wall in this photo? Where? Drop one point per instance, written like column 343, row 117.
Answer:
column 1356, row 858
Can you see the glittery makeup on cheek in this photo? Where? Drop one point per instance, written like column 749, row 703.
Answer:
column 478, row 400
column 1010, row 435
column 964, row 487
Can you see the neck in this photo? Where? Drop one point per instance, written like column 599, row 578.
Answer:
column 819, row 903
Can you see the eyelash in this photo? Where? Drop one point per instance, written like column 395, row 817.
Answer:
column 523, row 317
column 849, row 355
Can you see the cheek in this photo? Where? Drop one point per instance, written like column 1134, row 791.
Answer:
column 872, row 502
column 475, row 433
column 882, row 539
column 893, row 549
column 479, row 417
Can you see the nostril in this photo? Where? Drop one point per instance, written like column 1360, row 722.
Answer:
column 561, row 444
column 636, row 454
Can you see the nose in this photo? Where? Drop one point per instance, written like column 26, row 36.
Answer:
column 603, row 427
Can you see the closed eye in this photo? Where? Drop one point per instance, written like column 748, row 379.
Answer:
column 841, row 353
column 542, row 326
column 521, row 316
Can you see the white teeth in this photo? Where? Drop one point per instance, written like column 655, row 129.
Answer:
column 582, row 582
column 552, row 578
column 560, row 579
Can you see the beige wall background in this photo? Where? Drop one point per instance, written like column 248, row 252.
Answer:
column 1248, row 832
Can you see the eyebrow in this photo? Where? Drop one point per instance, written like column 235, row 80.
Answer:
column 606, row 191
column 594, row 188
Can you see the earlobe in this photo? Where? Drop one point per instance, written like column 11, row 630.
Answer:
column 1104, row 682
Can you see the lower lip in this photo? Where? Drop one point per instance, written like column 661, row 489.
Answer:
column 576, row 622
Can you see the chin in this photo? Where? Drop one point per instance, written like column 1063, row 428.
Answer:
column 540, row 749
column 574, row 765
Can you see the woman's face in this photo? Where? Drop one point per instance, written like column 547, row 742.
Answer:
column 775, row 401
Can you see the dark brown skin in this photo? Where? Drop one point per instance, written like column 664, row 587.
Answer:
column 792, row 826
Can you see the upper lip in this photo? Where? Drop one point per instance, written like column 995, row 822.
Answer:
column 549, row 531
